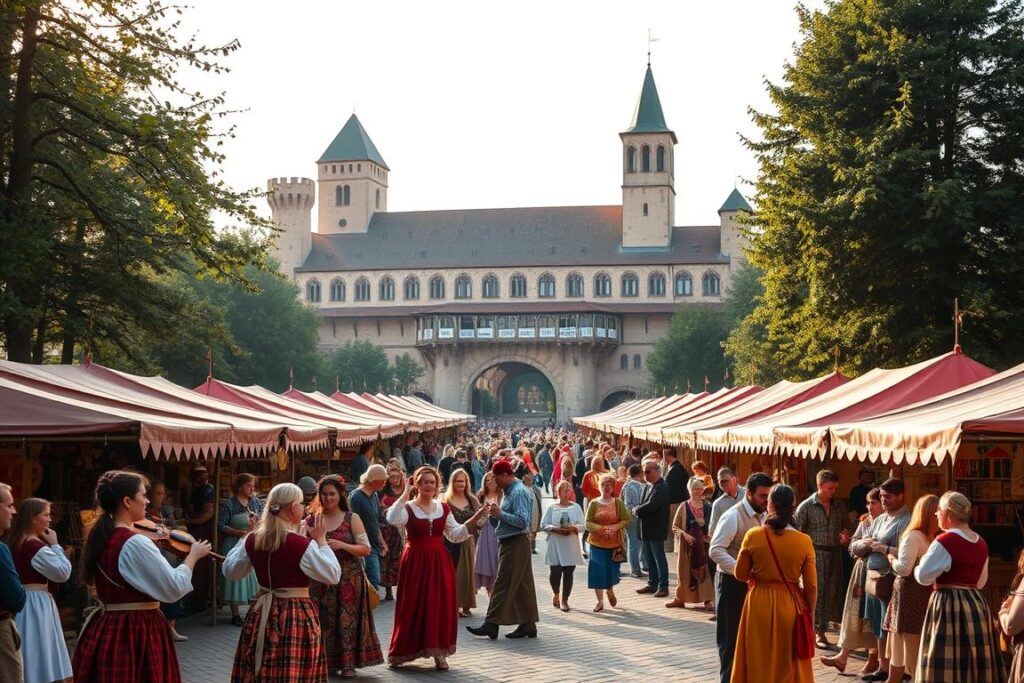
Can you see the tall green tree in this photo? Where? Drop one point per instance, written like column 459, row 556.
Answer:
column 359, row 366
column 108, row 173
column 406, row 371
column 890, row 183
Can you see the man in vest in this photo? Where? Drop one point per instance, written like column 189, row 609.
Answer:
column 725, row 547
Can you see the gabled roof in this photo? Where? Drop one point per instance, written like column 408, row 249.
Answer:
column 648, row 117
column 352, row 143
column 504, row 238
column 735, row 202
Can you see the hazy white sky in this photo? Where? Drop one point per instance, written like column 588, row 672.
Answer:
column 496, row 104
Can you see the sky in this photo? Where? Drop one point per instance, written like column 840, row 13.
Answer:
column 496, row 104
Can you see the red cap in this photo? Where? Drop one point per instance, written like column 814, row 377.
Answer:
column 502, row 467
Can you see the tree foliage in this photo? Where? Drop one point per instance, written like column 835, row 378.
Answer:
column 406, row 371
column 108, row 174
column 890, row 183
column 360, row 366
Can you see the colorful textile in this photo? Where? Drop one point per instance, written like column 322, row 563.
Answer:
column 957, row 642
column 292, row 650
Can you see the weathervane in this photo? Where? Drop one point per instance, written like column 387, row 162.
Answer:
column 650, row 40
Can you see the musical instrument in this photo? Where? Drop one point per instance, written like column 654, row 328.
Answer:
column 179, row 542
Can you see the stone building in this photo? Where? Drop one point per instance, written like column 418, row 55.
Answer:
column 535, row 312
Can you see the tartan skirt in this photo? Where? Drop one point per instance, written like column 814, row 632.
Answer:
column 126, row 647
column 292, row 649
column 958, row 642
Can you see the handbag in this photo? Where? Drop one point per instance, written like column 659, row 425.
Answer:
column 371, row 590
column 803, row 628
column 879, row 584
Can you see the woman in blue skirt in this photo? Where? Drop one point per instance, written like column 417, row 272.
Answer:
column 606, row 518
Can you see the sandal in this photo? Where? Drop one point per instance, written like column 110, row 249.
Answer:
column 612, row 600
column 599, row 607
column 441, row 663
column 834, row 662
column 554, row 602
column 564, row 607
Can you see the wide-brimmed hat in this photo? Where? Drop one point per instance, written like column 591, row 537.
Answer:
column 374, row 472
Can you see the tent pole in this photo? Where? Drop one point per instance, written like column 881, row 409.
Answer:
column 216, row 544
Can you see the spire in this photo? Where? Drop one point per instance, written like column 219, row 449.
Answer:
column 353, row 144
column 735, row 202
column 648, row 117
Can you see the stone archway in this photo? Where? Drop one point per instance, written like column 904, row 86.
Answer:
column 516, row 388
column 615, row 397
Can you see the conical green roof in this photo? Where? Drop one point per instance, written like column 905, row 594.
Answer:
column 648, row 117
column 352, row 144
column 735, row 202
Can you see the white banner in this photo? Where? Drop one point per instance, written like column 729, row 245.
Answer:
column 446, row 333
column 547, row 332
column 601, row 333
column 427, row 334
column 485, row 333
column 567, row 332
column 466, row 334
column 507, row 334
column 526, row 333
column 586, row 331
column 613, row 334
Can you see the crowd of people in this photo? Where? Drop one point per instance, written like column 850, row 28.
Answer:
column 436, row 523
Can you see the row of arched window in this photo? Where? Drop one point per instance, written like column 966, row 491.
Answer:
column 629, row 286
column 644, row 165
column 343, row 196
column 624, row 361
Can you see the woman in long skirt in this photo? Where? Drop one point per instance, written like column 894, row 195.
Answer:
column 485, row 567
column 690, row 527
column 463, row 505
column 425, row 614
column 1011, row 621
column 392, row 535
column 280, row 639
column 606, row 518
column 41, row 565
column 957, row 642
column 346, row 618
column 237, row 518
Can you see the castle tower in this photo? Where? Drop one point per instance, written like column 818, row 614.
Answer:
column 291, row 204
column 648, row 176
column 353, row 181
column 733, row 239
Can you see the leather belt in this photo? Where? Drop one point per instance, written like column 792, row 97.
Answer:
column 35, row 587
column 955, row 586
column 117, row 607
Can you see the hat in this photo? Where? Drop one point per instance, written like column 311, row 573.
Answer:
column 374, row 472
column 502, row 467
column 307, row 484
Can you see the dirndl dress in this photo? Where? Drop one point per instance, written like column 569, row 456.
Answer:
column 393, row 537
column 44, row 651
column 485, row 566
column 243, row 590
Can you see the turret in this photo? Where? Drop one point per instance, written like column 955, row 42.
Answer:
column 353, row 181
column 291, row 203
column 734, row 242
column 648, row 176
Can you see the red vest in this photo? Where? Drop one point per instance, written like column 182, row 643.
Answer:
column 279, row 569
column 23, row 555
column 968, row 559
column 106, row 589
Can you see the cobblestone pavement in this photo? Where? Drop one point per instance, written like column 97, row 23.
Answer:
column 640, row 640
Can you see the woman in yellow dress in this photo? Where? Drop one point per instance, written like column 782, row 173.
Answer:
column 764, row 647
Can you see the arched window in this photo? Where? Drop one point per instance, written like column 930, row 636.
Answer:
column 546, row 286
column 437, row 287
column 491, row 287
column 631, row 159
column 712, row 284
column 602, row 284
column 574, row 285
column 313, row 291
column 624, row 362
column 378, row 197
column 656, row 284
column 463, row 287
column 630, row 285
column 339, row 196
column 636, row 361
column 661, row 158
column 412, row 288
column 387, row 289
column 517, row 287
column 645, row 159
column 645, row 208
column 684, row 284
column 362, row 289
column 337, row 289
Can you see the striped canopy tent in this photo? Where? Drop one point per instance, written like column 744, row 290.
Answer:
column 367, row 403
column 620, row 411
column 678, row 402
column 650, row 428
column 388, row 427
column 169, row 421
column 421, row 408
column 349, row 429
column 933, row 430
column 802, row 429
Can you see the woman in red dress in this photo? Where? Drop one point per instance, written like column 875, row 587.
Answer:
column 128, row 639
column 392, row 536
column 280, row 639
column 426, row 621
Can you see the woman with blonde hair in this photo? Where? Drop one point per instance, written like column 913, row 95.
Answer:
column 280, row 638
column 606, row 518
column 463, row 505
column 393, row 488
column 425, row 620
column 690, row 526
column 485, row 566
column 957, row 641
column 905, row 615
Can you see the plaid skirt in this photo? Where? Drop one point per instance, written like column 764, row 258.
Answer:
column 292, row 651
column 958, row 642
column 126, row 647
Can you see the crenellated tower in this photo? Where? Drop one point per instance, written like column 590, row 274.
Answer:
column 353, row 181
column 734, row 242
column 291, row 203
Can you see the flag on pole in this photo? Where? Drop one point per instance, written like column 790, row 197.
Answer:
column 291, row 377
column 209, row 362
column 707, row 382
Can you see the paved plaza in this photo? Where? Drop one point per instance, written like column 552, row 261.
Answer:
column 640, row 640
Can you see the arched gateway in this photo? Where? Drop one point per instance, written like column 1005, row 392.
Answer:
column 513, row 391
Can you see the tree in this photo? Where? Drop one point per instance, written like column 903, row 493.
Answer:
column 360, row 366
column 890, row 183
column 108, row 173
column 406, row 371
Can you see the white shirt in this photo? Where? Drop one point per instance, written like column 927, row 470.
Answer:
column 146, row 570
column 318, row 563
column 913, row 546
column 563, row 550
column 724, row 503
column 52, row 563
column 725, row 534
column 398, row 517
column 937, row 561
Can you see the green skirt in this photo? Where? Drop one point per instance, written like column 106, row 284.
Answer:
column 243, row 590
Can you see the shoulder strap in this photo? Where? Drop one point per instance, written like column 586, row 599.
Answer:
column 792, row 589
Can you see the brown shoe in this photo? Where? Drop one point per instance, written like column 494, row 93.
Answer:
column 646, row 589
column 834, row 662
column 661, row 594
column 675, row 603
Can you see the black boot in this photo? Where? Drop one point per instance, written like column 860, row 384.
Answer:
column 487, row 629
column 523, row 631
